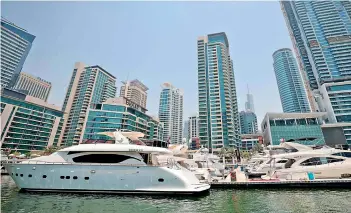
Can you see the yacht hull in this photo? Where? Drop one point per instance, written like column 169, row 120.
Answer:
column 112, row 179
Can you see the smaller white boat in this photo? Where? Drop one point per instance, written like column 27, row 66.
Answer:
column 322, row 167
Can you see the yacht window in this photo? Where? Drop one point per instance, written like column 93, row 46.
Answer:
column 282, row 161
column 289, row 163
column 44, row 176
column 68, row 177
column 311, row 162
column 344, row 154
column 86, row 178
column 101, row 158
column 29, row 175
column 334, row 160
column 62, row 177
column 21, row 175
column 75, row 177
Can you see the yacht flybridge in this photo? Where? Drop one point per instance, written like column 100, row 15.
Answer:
column 109, row 168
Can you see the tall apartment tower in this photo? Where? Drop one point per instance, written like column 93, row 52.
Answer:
column 171, row 113
column 134, row 91
column 248, row 122
column 291, row 90
column 218, row 107
column 249, row 104
column 193, row 127
column 321, row 35
column 33, row 86
column 88, row 85
column 15, row 46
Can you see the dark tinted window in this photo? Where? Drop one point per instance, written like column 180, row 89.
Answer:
column 344, row 154
column 101, row 158
column 289, row 163
column 311, row 162
column 282, row 161
column 333, row 160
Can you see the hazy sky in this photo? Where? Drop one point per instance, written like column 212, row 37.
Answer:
column 154, row 42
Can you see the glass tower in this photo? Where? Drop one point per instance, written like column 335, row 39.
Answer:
column 321, row 35
column 15, row 45
column 292, row 93
column 218, row 107
column 248, row 122
column 88, row 85
column 171, row 113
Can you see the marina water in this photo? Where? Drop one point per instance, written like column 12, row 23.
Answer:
column 242, row 201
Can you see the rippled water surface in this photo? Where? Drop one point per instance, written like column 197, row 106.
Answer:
column 260, row 201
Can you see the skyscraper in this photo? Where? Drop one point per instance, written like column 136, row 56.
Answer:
column 15, row 45
column 218, row 107
column 292, row 93
column 248, row 122
column 33, row 86
column 249, row 104
column 321, row 35
column 134, row 91
column 171, row 113
column 193, row 126
column 88, row 85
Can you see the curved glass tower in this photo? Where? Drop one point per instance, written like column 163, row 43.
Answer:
column 291, row 90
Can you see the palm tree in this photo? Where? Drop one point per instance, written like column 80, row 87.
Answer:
column 223, row 153
column 231, row 153
column 49, row 150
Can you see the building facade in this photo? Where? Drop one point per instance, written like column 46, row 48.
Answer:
column 88, row 85
column 134, row 91
column 249, row 141
column 170, row 113
column 119, row 113
column 193, row 127
column 248, row 122
column 33, row 86
column 218, row 107
column 321, row 35
column 304, row 128
column 15, row 46
column 291, row 90
column 28, row 123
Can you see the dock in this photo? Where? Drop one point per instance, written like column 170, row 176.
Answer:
column 312, row 184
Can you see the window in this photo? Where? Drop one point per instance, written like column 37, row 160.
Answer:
column 344, row 154
column 311, row 162
column 334, row 160
column 86, row 178
column 282, row 161
column 101, row 158
column 29, row 175
column 21, row 175
column 161, row 180
column 289, row 163
column 62, row 177
column 44, row 176
column 75, row 177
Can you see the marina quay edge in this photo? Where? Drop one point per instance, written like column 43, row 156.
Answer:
column 161, row 99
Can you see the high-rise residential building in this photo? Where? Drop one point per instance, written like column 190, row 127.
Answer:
column 249, row 104
column 15, row 45
column 28, row 123
column 193, row 127
column 33, row 86
column 88, row 85
column 218, row 107
column 321, row 35
column 248, row 122
column 291, row 90
column 170, row 113
column 119, row 113
column 134, row 91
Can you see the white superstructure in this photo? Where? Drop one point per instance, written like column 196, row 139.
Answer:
column 108, row 168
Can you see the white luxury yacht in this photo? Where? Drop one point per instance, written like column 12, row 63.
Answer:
column 322, row 167
column 109, row 168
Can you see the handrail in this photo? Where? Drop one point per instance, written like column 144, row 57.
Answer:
column 169, row 165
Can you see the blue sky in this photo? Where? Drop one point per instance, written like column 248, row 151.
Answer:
column 154, row 42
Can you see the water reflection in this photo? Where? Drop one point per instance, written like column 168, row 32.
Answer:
column 241, row 201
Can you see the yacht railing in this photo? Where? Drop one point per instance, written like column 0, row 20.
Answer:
column 171, row 163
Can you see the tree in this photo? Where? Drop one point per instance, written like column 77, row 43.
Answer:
column 223, row 153
column 231, row 153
